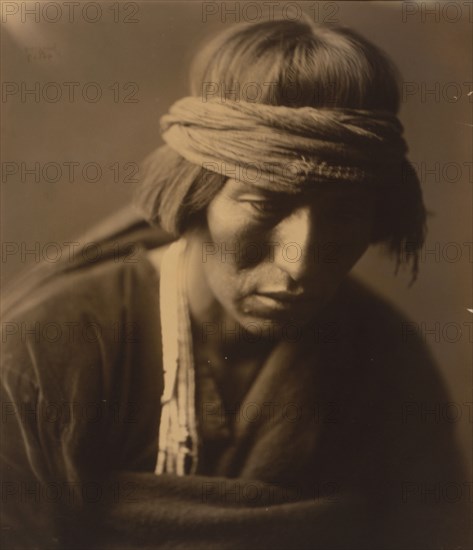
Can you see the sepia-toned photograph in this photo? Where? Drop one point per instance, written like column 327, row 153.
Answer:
column 236, row 271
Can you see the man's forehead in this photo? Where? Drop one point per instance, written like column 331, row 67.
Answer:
column 309, row 191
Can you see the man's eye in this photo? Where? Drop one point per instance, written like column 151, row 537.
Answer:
column 266, row 206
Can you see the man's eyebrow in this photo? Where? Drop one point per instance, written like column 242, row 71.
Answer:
column 251, row 188
column 345, row 192
column 307, row 192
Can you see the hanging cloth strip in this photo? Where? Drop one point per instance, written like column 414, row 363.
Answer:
column 178, row 440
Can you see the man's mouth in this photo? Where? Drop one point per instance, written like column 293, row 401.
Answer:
column 277, row 302
column 284, row 296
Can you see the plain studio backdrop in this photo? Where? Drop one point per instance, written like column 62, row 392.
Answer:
column 84, row 88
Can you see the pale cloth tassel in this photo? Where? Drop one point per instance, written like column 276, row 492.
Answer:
column 178, row 440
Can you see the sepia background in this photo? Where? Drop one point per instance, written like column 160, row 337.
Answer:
column 137, row 54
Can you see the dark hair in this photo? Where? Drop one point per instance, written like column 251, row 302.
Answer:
column 296, row 64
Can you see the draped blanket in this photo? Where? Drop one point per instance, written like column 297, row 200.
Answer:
column 326, row 451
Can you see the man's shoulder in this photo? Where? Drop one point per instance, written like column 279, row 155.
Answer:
column 108, row 255
column 90, row 337
column 393, row 350
column 100, row 286
column 79, row 315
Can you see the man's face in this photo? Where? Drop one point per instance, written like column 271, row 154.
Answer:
column 278, row 258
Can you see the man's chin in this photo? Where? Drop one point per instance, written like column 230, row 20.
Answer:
column 275, row 327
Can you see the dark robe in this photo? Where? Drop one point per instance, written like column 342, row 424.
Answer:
column 330, row 449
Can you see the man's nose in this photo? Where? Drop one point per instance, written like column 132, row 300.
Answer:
column 296, row 236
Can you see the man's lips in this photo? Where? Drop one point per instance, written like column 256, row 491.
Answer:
column 270, row 303
column 284, row 296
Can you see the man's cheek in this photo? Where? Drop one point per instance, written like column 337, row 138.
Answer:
column 221, row 274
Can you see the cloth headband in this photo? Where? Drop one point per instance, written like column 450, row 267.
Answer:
column 283, row 147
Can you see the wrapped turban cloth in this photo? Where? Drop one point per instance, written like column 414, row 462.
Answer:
column 284, row 148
